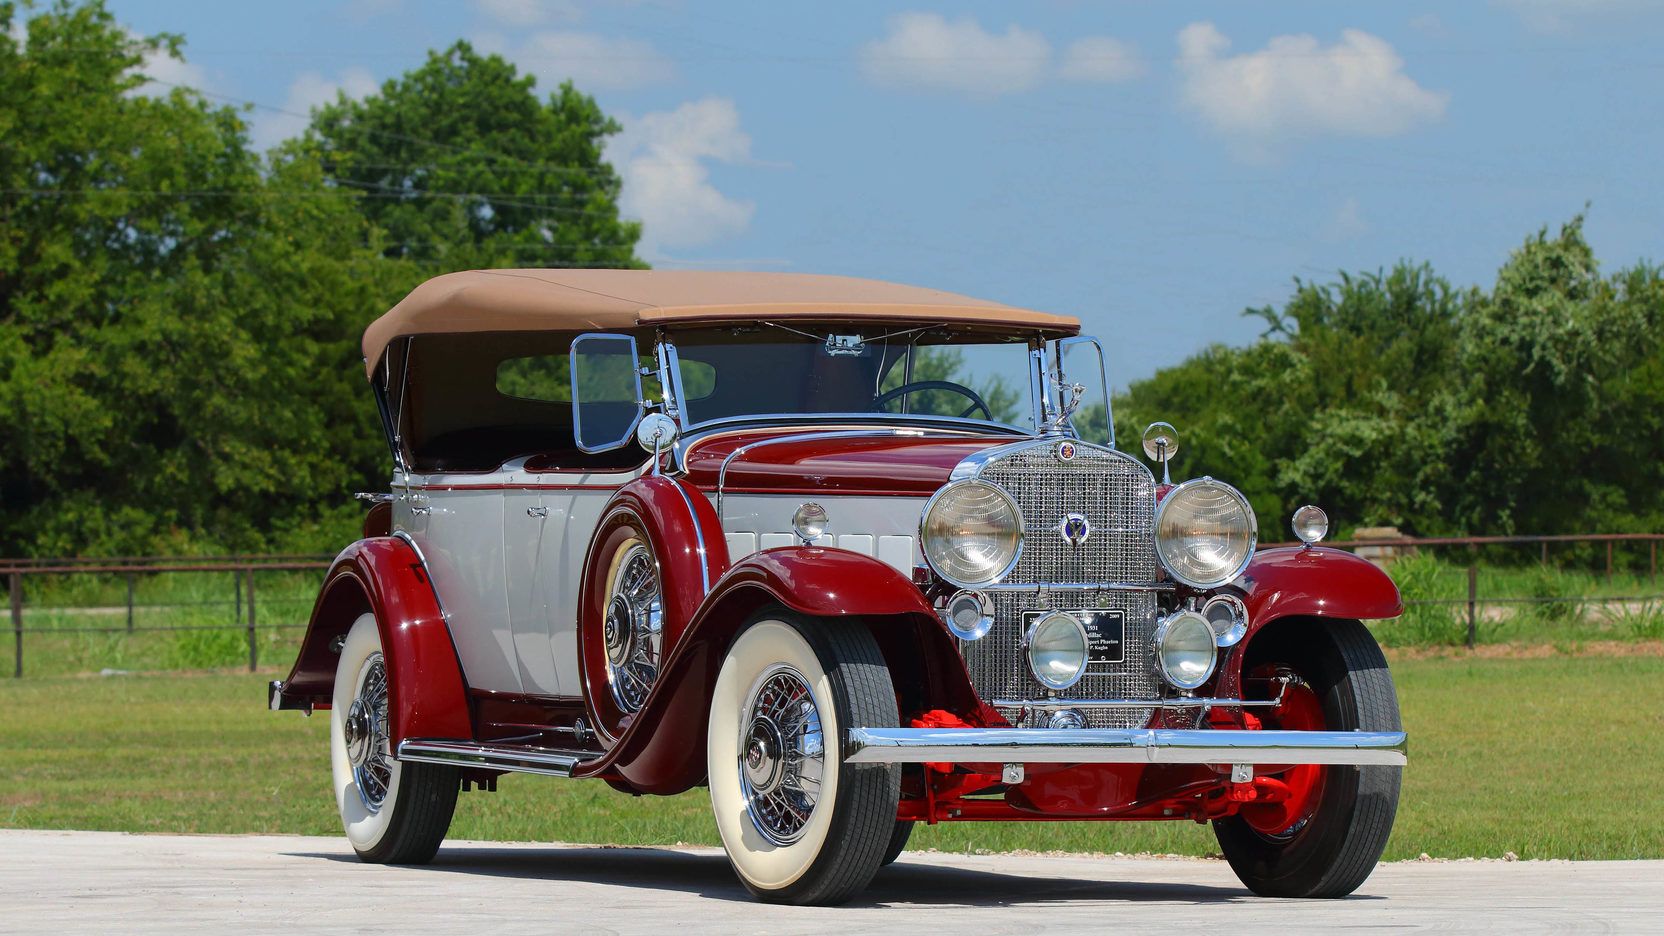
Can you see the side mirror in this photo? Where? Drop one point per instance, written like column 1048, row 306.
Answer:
column 606, row 391
column 656, row 432
column 1161, row 443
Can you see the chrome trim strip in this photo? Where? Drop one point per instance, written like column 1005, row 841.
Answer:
column 1054, row 705
column 1122, row 746
column 1077, row 586
column 532, row 760
column 722, row 472
column 699, row 537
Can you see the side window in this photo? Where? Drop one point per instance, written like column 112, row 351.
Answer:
column 546, row 378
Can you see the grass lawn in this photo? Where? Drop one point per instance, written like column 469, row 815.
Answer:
column 1549, row 758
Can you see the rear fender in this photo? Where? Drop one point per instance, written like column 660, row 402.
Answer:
column 663, row 752
column 385, row 576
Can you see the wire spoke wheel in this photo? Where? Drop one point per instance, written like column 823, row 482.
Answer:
column 782, row 755
column 368, row 748
column 633, row 628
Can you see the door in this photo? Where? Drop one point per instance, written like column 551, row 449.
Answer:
column 460, row 532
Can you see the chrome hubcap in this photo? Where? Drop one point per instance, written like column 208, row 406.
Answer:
column 365, row 731
column 633, row 629
column 782, row 755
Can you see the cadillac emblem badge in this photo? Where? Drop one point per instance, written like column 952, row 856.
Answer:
column 1066, row 450
column 1075, row 529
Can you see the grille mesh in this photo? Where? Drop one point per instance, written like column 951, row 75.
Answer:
column 1117, row 496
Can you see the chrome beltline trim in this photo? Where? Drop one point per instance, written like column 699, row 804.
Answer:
column 722, row 472
column 699, row 537
column 530, row 760
column 1122, row 746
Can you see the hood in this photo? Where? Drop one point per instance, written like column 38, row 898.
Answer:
column 881, row 463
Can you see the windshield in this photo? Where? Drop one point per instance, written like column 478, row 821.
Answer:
column 771, row 370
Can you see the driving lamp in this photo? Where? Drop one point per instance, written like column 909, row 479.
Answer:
column 972, row 533
column 969, row 615
column 1056, row 647
column 1228, row 617
column 1185, row 649
column 809, row 520
column 1205, row 533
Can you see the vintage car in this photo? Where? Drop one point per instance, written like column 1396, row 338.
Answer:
column 852, row 555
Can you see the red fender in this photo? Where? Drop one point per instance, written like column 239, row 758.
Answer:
column 664, row 752
column 1317, row 582
column 385, row 576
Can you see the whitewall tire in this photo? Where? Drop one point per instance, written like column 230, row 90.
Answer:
column 799, row 825
column 392, row 813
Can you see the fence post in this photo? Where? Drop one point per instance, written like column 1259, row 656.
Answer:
column 129, row 602
column 1608, row 561
column 1545, row 552
column 237, row 595
column 1652, row 562
column 253, row 651
column 15, row 585
column 1473, row 600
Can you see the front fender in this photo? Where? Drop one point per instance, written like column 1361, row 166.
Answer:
column 1317, row 582
column 385, row 577
column 663, row 751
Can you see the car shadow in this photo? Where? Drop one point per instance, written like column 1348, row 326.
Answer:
column 912, row 881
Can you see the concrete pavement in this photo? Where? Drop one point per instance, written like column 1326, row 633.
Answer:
column 85, row 882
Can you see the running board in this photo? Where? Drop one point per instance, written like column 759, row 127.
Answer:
column 514, row 758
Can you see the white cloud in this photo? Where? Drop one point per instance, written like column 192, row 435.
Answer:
column 1558, row 16
column 530, row 12
column 927, row 50
column 1296, row 87
column 1430, row 25
column 166, row 73
column 593, row 62
column 662, row 157
column 1100, row 59
column 308, row 90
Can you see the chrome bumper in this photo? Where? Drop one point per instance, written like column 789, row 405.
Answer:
column 1122, row 746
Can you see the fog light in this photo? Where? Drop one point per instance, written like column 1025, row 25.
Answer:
column 1185, row 649
column 1056, row 647
column 1067, row 718
column 969, row 614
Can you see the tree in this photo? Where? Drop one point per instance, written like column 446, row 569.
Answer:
column 462, row 165
column 177, row 320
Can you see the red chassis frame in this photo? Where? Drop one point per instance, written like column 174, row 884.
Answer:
column 386, row 576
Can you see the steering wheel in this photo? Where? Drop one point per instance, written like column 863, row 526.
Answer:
column 919, row 386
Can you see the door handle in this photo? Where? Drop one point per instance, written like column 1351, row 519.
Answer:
column 537, row 511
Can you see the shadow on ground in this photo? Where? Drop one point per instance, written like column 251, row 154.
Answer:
column 912, row 881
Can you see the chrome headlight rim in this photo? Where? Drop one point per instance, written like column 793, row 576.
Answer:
column 1253, row 532
column 924, row 539
column 1085, row 653
column 1159, row 639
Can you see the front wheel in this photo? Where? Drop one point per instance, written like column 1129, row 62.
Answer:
column 801, row 826
column 1325, row 838
column 392, row 812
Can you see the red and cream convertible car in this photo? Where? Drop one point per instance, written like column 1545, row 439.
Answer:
column 763, row 533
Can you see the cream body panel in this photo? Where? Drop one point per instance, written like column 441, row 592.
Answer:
column 884, row 527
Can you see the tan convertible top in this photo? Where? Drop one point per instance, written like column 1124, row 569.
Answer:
column 612, row 300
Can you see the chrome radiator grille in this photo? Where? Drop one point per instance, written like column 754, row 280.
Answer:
column 1117, row 496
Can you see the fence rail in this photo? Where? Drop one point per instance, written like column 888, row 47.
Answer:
column 245, row 598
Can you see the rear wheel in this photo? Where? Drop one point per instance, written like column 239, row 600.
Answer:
column 1325, row 839
column 799, row 825
column 392, row 812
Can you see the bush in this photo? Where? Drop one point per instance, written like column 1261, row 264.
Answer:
column 1421, row 577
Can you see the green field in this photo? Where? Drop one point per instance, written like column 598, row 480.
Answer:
column 1547, row 758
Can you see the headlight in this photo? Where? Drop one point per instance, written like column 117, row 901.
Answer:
column 1057, row 650
column 1185, row 649
column 1205, row 533
column 972, row 533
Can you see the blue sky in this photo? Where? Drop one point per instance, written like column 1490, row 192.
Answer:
column 1149, row 167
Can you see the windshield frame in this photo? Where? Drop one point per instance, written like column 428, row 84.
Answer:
column 1040, row 408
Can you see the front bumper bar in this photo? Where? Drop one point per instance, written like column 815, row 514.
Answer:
column 1122, row 746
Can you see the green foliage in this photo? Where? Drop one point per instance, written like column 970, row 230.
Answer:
column 179, row 316
column 1393, row 398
